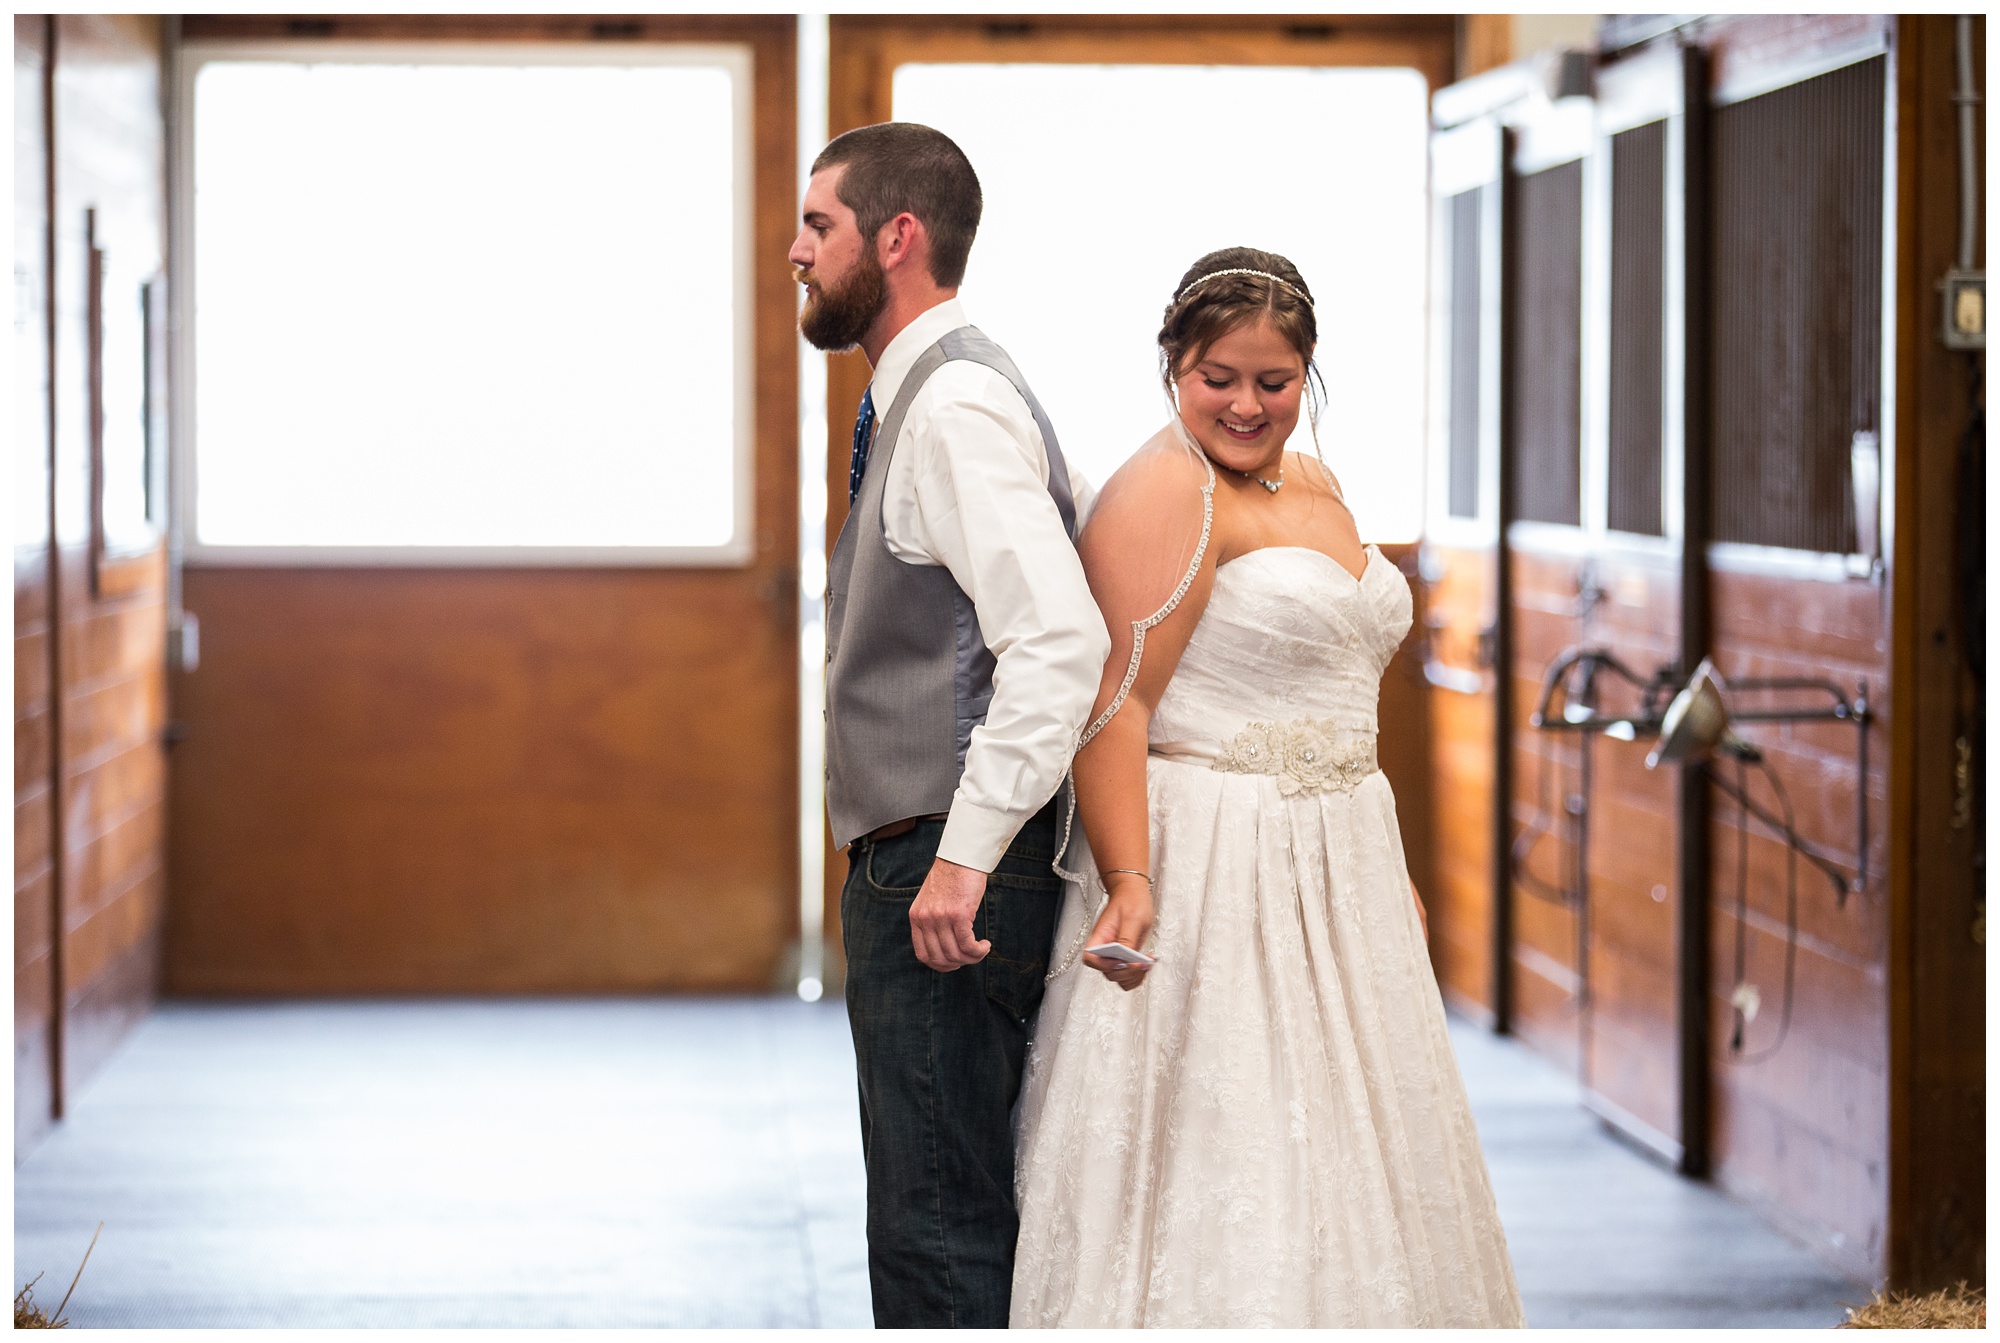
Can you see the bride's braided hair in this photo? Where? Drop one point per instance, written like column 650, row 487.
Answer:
column 1220, row 293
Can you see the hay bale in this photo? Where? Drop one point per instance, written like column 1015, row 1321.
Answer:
column 1959, row 1307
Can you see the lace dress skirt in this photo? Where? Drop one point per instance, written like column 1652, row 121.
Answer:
column 1272, row 1131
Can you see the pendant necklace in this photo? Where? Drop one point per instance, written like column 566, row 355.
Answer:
column 1271, row 485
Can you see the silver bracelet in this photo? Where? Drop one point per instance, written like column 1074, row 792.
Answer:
column 1105, row 872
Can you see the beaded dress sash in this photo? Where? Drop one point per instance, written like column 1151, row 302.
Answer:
column 1305, row 755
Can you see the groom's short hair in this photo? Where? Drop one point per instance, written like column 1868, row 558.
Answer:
column 896, row 166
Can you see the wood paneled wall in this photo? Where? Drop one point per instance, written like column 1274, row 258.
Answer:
column 1485, row 41
column 90, row 776
column 1546, row 1007
column 1631, row 1060
column 1595, row 980
column 1405, row 745
column 1456, row 608
column 507, row 780
column 35, row 1032
column 1803, row 1133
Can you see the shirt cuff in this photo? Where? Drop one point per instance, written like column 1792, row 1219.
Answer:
column 977, row 837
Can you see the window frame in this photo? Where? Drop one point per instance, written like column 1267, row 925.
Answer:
column 190, row 58
column 1647, row 89
column 1464, row 157
column 1742, row 68
column 1550, row 134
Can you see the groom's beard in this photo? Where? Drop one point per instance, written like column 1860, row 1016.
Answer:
column 836, row 319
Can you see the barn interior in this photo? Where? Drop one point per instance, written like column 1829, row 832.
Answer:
column 424, row 913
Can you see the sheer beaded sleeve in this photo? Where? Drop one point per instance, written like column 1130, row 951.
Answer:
column 1149, row 558
column 1145, row 548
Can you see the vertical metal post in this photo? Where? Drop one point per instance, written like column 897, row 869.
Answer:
column 183, row 643
column 1503, row 597
column 1585, row 1003
column 812, row 98
column 58, row 812
column 1862, row 715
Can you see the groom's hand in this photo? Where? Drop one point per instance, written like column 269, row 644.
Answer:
column 941, row 917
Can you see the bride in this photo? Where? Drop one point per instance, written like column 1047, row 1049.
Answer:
column 1265, row 1126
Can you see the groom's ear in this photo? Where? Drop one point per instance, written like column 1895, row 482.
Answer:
column 901, row 242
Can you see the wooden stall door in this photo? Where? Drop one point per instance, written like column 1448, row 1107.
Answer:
column 505, row 781
column 111, row 199
column 1542, row 436
column 89, row 782
column 865, row 53
column 1597, row 873
column 1801, row 111
column 1593, row 610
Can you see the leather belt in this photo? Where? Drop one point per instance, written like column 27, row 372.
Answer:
column 902, row 827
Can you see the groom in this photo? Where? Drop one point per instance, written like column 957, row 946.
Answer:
column 963, row 653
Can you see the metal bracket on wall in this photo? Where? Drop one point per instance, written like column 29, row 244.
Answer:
column 1579, row 713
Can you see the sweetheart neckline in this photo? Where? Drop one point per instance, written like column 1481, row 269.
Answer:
column 1370, row 553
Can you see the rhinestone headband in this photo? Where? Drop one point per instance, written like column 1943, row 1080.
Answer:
column 1192, row 285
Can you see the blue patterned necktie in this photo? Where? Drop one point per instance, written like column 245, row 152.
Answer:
column 864, row 426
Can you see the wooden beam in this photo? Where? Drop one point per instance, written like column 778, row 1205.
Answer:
column 1937, row 966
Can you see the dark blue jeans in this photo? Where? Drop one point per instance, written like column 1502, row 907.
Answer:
column 939, row 1058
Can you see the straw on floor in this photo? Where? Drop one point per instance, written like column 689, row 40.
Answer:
column 1959, row 1307
column 28, row 1315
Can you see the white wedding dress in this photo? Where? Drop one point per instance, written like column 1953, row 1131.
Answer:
column 1272, row 1130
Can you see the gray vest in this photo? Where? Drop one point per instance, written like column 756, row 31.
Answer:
column 908, row 676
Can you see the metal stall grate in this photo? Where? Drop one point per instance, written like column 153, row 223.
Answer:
column 1547, row 320
column 1638, row 242
column 1463, row 443
column 1797, row 353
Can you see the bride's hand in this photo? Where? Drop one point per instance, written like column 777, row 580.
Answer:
column 1127, row 918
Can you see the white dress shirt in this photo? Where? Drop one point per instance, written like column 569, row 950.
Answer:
column 968, row 489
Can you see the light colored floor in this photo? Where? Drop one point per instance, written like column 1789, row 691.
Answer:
column 1605, row 1237
column 671, row 1162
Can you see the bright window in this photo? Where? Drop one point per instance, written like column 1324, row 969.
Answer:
column 1104, row 183
column 469, row 305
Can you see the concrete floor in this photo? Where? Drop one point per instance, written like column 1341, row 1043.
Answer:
column 672, row 1163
